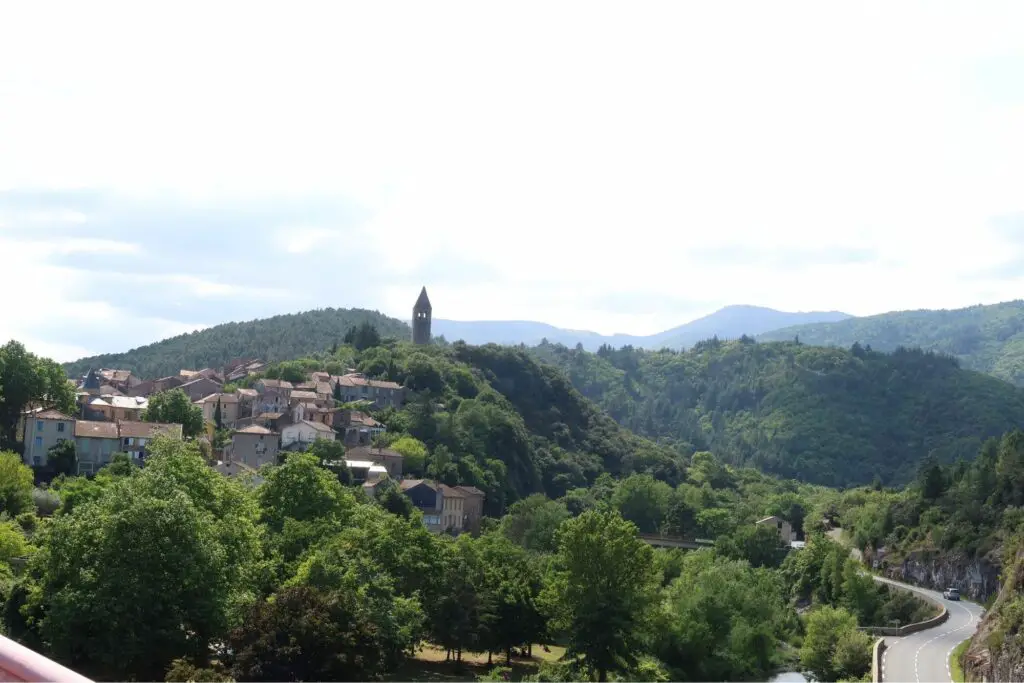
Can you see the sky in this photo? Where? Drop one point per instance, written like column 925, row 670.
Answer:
column 616, row 167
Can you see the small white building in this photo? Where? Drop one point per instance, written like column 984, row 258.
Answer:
column 784, row 528
column 305, row 433
column 365, row 470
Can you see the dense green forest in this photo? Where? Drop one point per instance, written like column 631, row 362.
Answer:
column 278, row 338
column 985, row 338
column 973, row 510
column 825, row 415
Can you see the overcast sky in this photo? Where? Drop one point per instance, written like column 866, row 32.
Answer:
column 616, row 167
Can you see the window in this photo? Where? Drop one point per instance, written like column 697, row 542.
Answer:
column 36, row 461
column 60, row 426
column 39, row 425
column 39, row 442
column 127, row 441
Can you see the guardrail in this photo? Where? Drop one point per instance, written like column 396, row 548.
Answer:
column 876, row 660
column 19, row 663
column 907, row 629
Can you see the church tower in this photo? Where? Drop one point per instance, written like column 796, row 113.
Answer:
column 421, row 319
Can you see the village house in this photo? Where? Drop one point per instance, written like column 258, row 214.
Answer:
column 264, row 385
column 122, row 380
column 155, row 386
column 365, row 471
column 242, row 367
column 135, row 435
column 446, row 509
column 271, row 401
column 390, row 460
column 246, row 402
column 426, row 497
column 357, row 387
column 357, row 428
column 95, row 444
column 228, row 408
column 201, row 387
column 302, row 396
column 302, row 434
column 462, row 509
column 784, row 528
column 44, row 429
column 313, row 413
column 254, row 446
column 112, row 408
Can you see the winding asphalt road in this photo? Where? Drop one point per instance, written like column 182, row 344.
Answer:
column 923, row 657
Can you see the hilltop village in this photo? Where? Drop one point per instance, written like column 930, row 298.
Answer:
column 248, row 427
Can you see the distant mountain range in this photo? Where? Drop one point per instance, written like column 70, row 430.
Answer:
column 290, row 336
column 730, row 322
column 984, row 338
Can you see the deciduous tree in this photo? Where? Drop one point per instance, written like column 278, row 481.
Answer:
column 173, row 406
column 602, row 591
column 25, row 378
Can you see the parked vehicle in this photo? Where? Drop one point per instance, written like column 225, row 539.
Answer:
column 951, row 593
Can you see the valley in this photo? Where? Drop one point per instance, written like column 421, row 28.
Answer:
column 572, row 453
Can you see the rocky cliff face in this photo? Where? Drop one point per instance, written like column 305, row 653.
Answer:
column 976, row 579
column 996, row 652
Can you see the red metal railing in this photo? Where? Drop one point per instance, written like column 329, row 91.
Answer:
column 18, row 663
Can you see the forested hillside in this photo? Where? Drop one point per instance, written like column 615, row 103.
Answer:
column 495, row 418
column 278, row 338
column 818, row 414
column 985, row 338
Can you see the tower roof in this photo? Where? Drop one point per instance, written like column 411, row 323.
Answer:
column 422, row 303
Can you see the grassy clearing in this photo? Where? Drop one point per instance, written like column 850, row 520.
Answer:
column 429, row 664
column 954, row 661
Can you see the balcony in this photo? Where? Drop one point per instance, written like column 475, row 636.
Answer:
column 18, row 663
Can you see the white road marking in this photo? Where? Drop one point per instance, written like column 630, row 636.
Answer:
column 917, row 673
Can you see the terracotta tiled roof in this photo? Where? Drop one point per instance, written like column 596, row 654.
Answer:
column 452, row 491
column 304, row 396
column 148, row 429
column 95, row 430
column 359, row 417
column 407, row 484
column 254, row 429
column 248, row 393
column 223, row 398
column 51, row 414
column 128, row 402
column 108, row 390
column 269, row 416
column 324, row 388
column 277, row 384
column 357, row 380
column 115, row 375
column 319, row 426
column 370, row 453
column 197, row 380
column 319, row 376
column 472, row 490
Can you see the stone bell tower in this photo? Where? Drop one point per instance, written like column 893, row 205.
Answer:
column 421, row 319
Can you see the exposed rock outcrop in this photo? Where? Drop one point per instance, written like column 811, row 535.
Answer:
column 996, row 652
column 977, row 579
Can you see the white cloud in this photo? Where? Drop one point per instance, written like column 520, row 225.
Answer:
column 571, row 149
